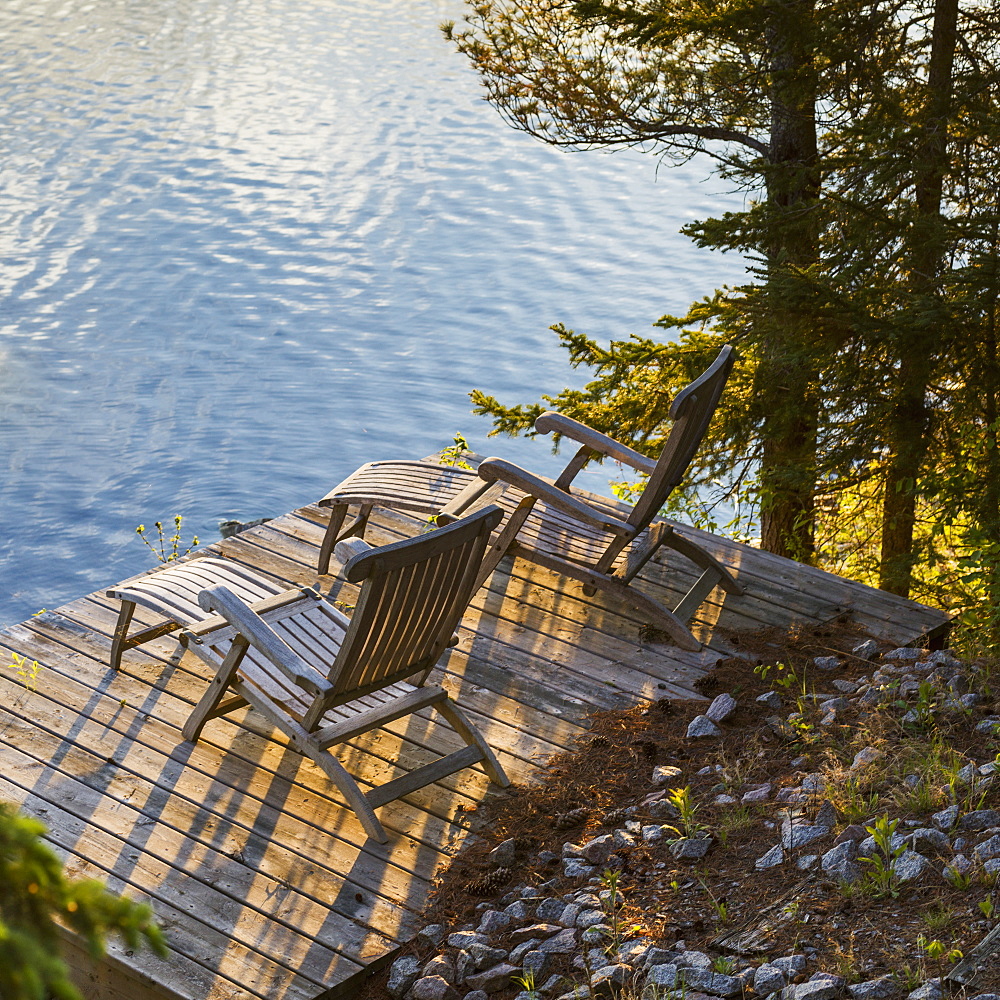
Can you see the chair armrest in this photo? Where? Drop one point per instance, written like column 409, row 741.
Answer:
column 497, row 468
column 476, row 494
column 558, row 423
column 262, row 637
column 347, row 548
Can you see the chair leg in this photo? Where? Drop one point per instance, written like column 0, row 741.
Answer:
column 472, row 737
column 337, row 514
column 652, row 612
column 334, row 534
column 206, row 707
column 348, row 787
column 703, row 560
column 700, row 589
column 120, row 641
column 505, row 540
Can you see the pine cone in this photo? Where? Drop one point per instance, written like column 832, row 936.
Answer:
column 489, row 884
column 600, row 741
column 563, row 821
column 616, row 817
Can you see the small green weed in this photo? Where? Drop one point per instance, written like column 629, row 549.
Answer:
column 452, row 455
column 733, row 821
column 785, row 675
column 611, row 902
column 166, row 549
column 958, row 879
column 719, row 906
column 683, row 801
column 938, row 918
column 26, row 670
column 879, row 876
column 923, row 708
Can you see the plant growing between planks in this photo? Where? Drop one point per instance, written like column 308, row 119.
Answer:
column 166, row 549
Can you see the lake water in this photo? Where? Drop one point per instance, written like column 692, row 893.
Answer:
column 247, row 245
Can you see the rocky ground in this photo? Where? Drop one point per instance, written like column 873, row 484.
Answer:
column 826, row 827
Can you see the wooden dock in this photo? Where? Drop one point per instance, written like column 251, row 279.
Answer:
column 265, row 885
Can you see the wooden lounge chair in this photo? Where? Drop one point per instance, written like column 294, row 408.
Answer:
column 549, row 524
column 322, row 678
column 173, row 593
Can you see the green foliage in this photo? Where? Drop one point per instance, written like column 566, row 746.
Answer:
column 26, row 670
column 166, row 549
column 719, row 906
column 683, row 801
column 36, row 895
column 879, row 875
column 453, row 454
column 862, row 427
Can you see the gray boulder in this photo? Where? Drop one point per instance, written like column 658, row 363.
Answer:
column 866, row 756
column 821, row 989
column 536, row 962
column 773, row 857
column 702, row 727
column 690, row 848
column 988, row 849
column 838, row 862
column 664, row 774
column 931, row 990
column 790, row 965
column 768, row 978
column 433, row 934
column 927, row 839
column 714, row 983
column 440, row 965
column 826, row 662
column 494, row 921
column 433, row 988
column 495, row 979
column 721, row 708
column 608, row 980
column 402, row 975
column 875, row 989
column 560, row 944
column 796, row 835
column 909, row 866
column 663, row 976
column 502, row 856
column 598, row 850
column 946, row 818
column 981, row 819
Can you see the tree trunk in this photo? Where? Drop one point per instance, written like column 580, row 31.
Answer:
column 909, row 422
column 787, row 381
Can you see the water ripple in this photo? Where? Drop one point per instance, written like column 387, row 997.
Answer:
column 246, row 247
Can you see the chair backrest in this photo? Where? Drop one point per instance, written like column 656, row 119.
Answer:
column 413, row 594
column 691, row 413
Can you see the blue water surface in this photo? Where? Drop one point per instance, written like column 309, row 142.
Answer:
column 247, row 245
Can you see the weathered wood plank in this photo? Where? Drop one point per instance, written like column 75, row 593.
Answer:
column 102, row 718
column 184, row 828
column 521, row 746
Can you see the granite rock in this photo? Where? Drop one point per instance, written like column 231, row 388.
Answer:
column 702, row 727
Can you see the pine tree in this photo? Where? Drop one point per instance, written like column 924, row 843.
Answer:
column 34, row 894
column 866, row 131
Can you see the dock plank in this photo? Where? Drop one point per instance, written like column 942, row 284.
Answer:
column 265, row 882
